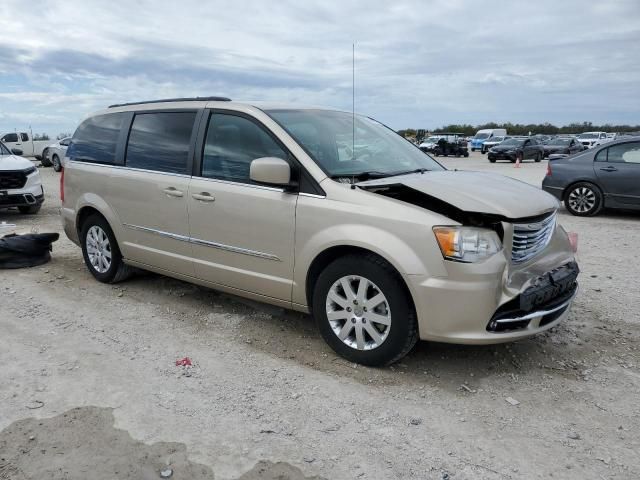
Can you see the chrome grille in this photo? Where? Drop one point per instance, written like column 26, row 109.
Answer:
column 529, row 239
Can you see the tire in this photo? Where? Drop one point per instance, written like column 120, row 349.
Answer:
column 29, row 209
column 57, row 166
column 466, row 154
column 44, row 161
column 492, row 160
column 538, row 158
column 394, row 339
column 583, row 199
column 473, row 149
column 98, row 230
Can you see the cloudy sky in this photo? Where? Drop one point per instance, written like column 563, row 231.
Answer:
column 418, row 63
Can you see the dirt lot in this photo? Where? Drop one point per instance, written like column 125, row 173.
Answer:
column 89, row 386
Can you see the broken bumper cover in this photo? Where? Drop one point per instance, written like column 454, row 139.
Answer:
column 465, row 306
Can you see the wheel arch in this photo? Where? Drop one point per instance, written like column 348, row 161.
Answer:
column 324, row 258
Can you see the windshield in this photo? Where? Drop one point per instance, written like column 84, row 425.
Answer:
column 514, row 142
column 4, row 150
column 588, row 135
column 432, row 140
column 481, row 136
column 328, row 137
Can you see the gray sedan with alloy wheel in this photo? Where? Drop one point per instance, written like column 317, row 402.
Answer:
column 604, row 176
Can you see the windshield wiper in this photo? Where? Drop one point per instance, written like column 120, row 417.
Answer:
column 362, row 175
column 407, row 172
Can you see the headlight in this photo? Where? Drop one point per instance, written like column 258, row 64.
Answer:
column 30, row 170
column 467, row 244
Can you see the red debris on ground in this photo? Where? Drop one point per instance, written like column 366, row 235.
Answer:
column 183, row 362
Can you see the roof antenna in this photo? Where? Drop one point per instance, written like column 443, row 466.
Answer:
column 353, row 108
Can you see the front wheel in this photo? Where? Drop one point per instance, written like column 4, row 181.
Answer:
column 583, row 199
column 101, row 252
column 473, row 149
column 538, row 158
column 44, row 161
column 363, row 310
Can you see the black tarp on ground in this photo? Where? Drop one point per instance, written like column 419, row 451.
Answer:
column 29, row 250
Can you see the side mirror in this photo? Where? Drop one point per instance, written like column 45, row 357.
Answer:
column 270, row 171
column 16, row 151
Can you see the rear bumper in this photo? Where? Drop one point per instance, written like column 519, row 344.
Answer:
column 555, row 191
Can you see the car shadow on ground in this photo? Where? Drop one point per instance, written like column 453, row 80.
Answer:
column 293, row 337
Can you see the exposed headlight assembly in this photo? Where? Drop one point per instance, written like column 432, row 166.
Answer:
column 467, row 244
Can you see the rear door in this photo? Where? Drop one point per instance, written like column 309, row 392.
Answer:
column 150, row 192
column 242, row 233
column 618, row 171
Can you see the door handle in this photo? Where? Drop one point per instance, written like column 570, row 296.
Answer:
column 609, row 169
column 172, row 192
column 204, row 197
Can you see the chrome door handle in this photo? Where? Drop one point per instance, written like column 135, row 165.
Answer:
column 204, row 197
column 172, row 192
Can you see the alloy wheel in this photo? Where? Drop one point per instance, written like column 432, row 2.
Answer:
column 358, row 312
column 582, row 199
column 98, row 249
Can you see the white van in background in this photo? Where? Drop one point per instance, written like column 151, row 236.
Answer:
column 482, row 135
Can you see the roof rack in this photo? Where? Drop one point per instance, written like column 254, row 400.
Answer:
column 165, row 100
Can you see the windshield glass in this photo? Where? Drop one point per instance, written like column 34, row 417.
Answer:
column 432, row 140
column 513, row 142
column 588, row 135
column 481, row 136
column 4, row 150
column 560, row 141
column 328, row 137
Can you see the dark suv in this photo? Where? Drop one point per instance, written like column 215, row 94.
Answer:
column 517, row 148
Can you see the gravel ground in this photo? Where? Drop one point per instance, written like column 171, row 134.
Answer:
column 91, row 367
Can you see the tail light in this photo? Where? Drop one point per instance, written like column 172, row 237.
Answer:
column 549, row 168
column 62, row 185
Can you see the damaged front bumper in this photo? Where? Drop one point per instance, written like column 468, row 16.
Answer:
column 496, row 300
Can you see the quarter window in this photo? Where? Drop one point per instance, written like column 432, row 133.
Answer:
column 161, row 141
column 96, row 139
column 232, row 143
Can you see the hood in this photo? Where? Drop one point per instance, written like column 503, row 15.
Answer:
column 476, row 192
column 13, row 162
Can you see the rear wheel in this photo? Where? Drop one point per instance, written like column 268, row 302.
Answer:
column 101, row 252
column 57, row 166
column 583, row 199
column 363, row 310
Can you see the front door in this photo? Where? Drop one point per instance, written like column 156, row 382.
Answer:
column 242, row 233
column 150, row 193
column 618, row 170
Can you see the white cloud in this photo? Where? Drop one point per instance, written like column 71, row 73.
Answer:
column 418, row 63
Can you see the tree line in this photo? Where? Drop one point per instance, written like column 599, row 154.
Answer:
column 526, row 129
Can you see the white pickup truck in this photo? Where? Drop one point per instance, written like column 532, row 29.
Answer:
column 23, row 141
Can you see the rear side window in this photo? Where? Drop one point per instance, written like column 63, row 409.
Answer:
column 96, row 139
column 161, row 142
column 625, row 153
column 24, row 137
column 10, row 138
column 231, row 145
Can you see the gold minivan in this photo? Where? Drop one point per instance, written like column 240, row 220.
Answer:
column 320, row 211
